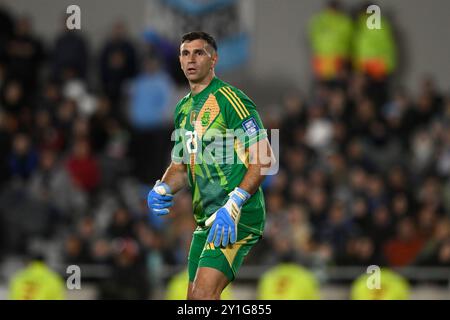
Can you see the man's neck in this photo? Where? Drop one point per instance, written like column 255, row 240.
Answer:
column 199, row 86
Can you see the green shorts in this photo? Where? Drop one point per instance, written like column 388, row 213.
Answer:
column 227, row 260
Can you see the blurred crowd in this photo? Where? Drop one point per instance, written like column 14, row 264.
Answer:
column 361, row 183
column 364, row 163
column 84, row 135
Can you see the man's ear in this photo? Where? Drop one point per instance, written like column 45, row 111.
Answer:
column 215, row 59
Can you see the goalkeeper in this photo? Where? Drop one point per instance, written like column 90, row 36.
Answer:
column 228, row 203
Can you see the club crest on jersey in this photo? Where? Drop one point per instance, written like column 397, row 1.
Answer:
column 206, row 117
column 250, row 126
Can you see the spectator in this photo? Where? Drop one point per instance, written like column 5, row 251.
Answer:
column 114, row 161
column 47, row 136
column 37, row 281
column 392, row 286
column 396, row 112
column 99, row 123
column 299, row 229
column 150, row 97
column 404, row 248
column 337, row 229
column 382, row 227
column 293, row 118
column 117, row 63
column 51, row 184
column 83, row 167
column 360, row 214
column 150, row 104
column 6, row 31
column 129, row 279
column 50, row 97
column 5, row 148
column 101, row 252
column 318, row 202
column 13, row 98
column 65, row 116
column 23, row 159
column 25, row 53
column 288, row 281
column 330, row 33
column 76, row 251
column 122, row 225
column 433, row 252
column 70, row 55
column 443, row 258
column 375, row 54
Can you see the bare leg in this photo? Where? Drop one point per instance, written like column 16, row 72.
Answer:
column 208, row 284
column 189, row 292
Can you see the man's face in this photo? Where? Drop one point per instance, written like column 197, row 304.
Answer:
column 197, row 59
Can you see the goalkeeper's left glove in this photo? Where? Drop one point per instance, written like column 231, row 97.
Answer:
column 225, row 220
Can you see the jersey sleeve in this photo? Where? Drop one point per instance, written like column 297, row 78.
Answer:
column 241, row 115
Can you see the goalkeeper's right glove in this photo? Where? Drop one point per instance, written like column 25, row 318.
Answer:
column 159, row 199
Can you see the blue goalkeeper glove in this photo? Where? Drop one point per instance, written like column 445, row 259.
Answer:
column 159, row 199
column 225, row 220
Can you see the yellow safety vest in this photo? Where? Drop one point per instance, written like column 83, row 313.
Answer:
column 392, row 286
column 288, row 281
column 37, row 282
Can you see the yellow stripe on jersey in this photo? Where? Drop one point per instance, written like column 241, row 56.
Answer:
column 243, row 108
column 230, row 251
column 241, row 152
column 232, row 103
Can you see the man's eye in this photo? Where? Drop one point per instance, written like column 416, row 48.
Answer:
column 200, row 53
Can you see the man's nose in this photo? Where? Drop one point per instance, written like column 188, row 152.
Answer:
column 191, row 58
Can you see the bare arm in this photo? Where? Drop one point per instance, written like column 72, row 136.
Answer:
column 261, row 159
column 175, row 177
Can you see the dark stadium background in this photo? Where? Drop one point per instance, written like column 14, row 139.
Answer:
column 85, row 125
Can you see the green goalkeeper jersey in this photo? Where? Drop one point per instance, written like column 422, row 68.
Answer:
column 214, row 129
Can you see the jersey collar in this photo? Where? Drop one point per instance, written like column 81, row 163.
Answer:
column 205, row 91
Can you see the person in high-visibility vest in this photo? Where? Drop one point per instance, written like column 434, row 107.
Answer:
column 288, row 281
column 374, row 49
column 37, row 282
column 178, row 286
column 392, row 286
column 330, row 34
column 374, row 54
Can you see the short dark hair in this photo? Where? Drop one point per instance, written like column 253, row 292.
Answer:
column 194, row 35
